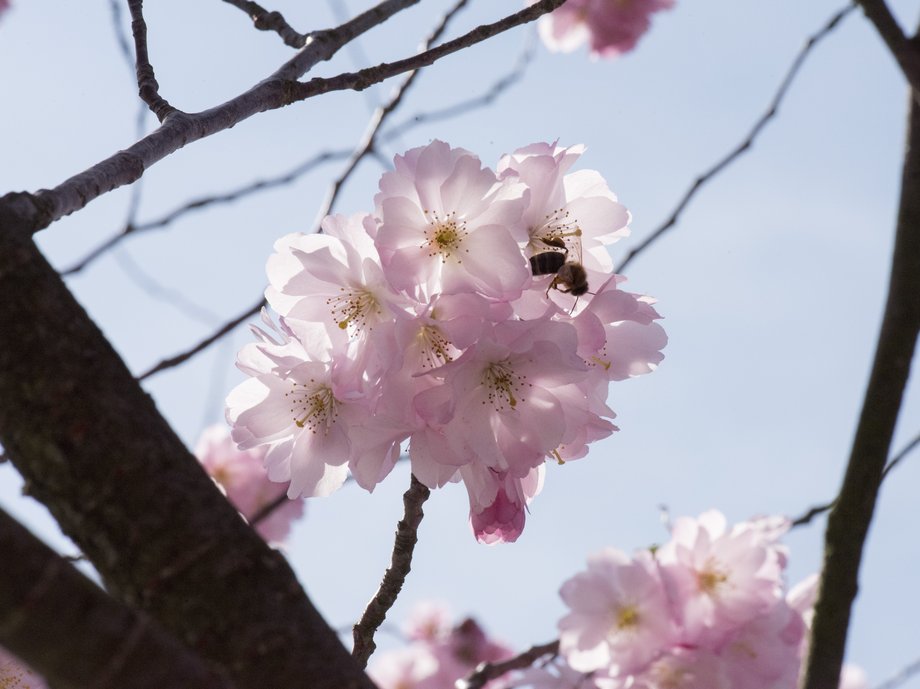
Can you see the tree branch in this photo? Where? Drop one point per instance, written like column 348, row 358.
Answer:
column 75, row 635
column 204, row 344
column 395, row 576
column 905, row 51
column 203, row 202
column 148, row 88
column 488, row 97
column 489, row 671
column 28, row 213
column 745, row 145
column 813, row 512
column 121, row 484
column 369, row 140
column 264, row 20
column 849, row 521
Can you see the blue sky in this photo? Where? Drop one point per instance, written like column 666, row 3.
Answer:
column 771, row 285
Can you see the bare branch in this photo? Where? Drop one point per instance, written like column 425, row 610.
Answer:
column 321, row 45
column 395, row 576
column 906, row 450
column 489, row 671
column 148, row 88
column 50, row 615
column 463, row 107
column 905, row 51
column 264, row 20
column 745, row 145
column 369, row 140
column 364, row 78
column 902, row 676
column 813, row 512
column 849, row 521
column 204, row 344
column 29, row 213
column 132, row 228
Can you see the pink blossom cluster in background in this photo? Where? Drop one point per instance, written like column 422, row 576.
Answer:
column 610, row 27
column 438, row 654
column 242, row 477
column 425, row 321
column 15, row 674
column 706, row 610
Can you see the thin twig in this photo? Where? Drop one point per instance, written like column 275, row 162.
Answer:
column 26, row 214
column 206, row 342
column 902, row 676
column 264, row 20
column 463, row 107
column 813, row 512
column 131, row 228
column 848, row 523
column 746, row 144
column 489, row 671
column 400, row 564
column 154, row 289
column 148, row 88
column 364, row 78
column 906, row 450
column 369, row 140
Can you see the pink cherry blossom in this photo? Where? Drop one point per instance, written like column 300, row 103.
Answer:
column 428, row 621
column 305, row 401
column 242, row 476
column 765, row 651
column 610, row 27
column 512, row 382
column 578, row 207
column 681, row 669
column 438, row 660
column 14, row 674
column 335, row 278
column 498, row 501
column 620, row 617
column 405, row 668
column 448, row 225
column 718, row 578
column 618, row 335
column 424, row 323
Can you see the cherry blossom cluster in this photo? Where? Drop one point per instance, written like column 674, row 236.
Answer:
column 241, row 476
column 438, row 654
column 15, row 674
column 609, row 27
column 473, row 314
column 706, row 610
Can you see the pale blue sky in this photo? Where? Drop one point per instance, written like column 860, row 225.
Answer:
column 771, row 285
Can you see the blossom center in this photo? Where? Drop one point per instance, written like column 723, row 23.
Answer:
column 313, row 406
column 503, row 384
column 710, row 579
column 435, row 349
column 353, row 307
column 444, row 235
column 627, row 618
column 558, row 225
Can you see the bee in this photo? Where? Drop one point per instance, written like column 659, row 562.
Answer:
column 569, row 273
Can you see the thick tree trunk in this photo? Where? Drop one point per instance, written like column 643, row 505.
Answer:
column 93, row 448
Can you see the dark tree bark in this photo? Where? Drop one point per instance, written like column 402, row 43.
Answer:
column 93, row 448
column 848, row 523
column 75, row 634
